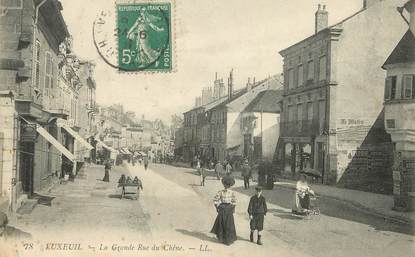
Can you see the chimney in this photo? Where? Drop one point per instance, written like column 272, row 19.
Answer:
column 230, row 85
column 410, row 8
column 322, row 18
column 248, row 85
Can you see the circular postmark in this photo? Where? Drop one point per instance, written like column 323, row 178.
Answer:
column 104, row 36
column 138, row 40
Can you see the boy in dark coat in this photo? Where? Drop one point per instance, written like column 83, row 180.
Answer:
column 257, row 209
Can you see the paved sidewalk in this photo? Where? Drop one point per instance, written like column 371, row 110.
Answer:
column 377, row 204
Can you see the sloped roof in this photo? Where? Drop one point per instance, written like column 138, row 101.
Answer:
column 404, row 52
column 266, row 101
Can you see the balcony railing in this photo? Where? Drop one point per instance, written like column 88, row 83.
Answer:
column 301, row 128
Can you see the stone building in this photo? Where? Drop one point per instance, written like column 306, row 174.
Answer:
column 332, row 116
column 86, row 106
column 400, row 113
column 192, row 130
column 34, row 50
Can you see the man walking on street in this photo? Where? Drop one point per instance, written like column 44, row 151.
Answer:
column 257, row 209
column 145, row 162
column 246, row 173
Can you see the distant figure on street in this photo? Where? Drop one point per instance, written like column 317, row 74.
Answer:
column 257, row 209
column 202, row 175
column 225, row 201
column 228, row 168
column 145, row 160
column 198, row 165
column 302, row 196
column 246, row 173
column 218, row 170
column 107, row 167
column 262, row 173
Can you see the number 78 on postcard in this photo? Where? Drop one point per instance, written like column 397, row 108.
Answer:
column 144, row 38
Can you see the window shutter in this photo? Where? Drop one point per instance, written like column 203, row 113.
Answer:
column 388, row 86
column 407, row 81
column 413, row 86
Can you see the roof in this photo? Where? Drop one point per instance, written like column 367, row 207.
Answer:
column 266, row 101
column 332, row 27
column 404, row 52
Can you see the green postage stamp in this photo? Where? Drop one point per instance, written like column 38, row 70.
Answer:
column 144, row 36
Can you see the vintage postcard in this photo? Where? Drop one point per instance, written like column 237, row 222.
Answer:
column 207, row 128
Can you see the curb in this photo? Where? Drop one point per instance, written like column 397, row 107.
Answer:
column 366, row 209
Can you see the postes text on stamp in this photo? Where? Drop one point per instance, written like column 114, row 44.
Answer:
column 144, row 36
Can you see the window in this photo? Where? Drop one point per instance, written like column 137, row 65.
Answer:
column 290, row 113
column 48, row 73
column 310, row 70
column 290, row 78
column 390, row 88
column 322, row 114
column 299, row 116
column 299, row 112
column 300, row 75
column 407, row 86
column 37, row 64
column 390, row 123
column 323, row 70
column 309, row 111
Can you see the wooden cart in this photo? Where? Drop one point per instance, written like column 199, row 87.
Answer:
column 130, row 189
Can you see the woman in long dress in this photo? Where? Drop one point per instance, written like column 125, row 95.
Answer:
column 107, row 168
column 225, row 201
column 302, row 196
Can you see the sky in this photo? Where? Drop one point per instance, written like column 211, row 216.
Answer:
column 210, row 36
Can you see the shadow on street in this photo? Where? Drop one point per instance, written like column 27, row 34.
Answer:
column 330, row 207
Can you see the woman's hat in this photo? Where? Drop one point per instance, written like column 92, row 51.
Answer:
column 258, row 188
column 228, row 181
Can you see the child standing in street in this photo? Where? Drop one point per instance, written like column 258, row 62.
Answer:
column 257, row 209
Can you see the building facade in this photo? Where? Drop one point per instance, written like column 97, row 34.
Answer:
column 332, row 117
column 35, row 55
column 400, row 113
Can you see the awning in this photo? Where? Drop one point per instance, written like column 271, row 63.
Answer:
column 106, row 146
column 78, row 137
column 55, row 142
